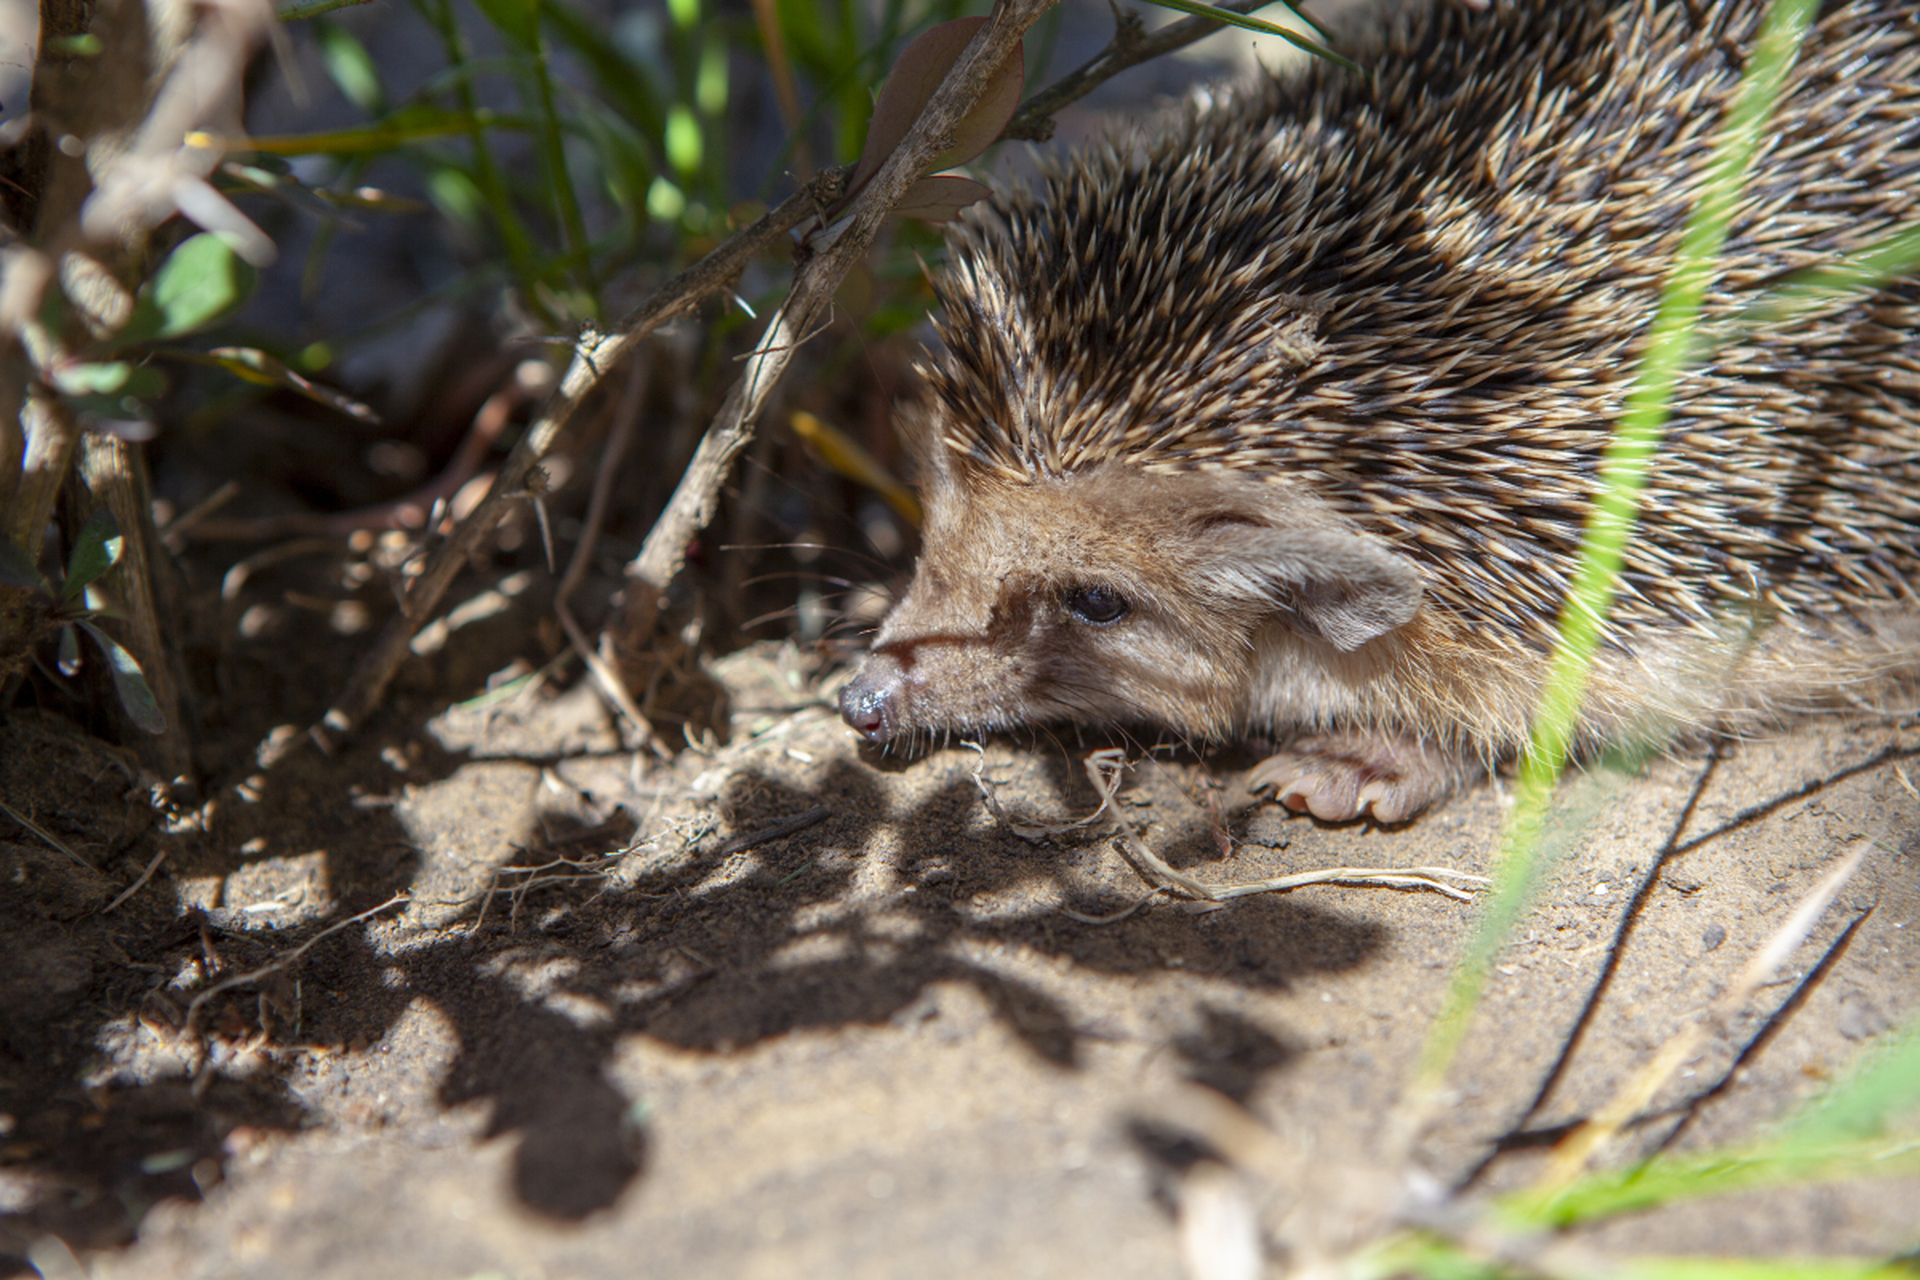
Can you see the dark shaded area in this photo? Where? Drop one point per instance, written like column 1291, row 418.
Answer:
column 694, row 967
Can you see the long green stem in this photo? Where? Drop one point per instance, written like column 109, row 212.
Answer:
column 486, row 171
column 573, row 226
column 1610, row 526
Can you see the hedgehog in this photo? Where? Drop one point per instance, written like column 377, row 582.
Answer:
column 1280, row 424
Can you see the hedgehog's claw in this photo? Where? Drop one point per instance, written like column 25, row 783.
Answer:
column 1338, row 777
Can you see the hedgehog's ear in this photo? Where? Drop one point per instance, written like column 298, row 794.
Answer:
column 1334, row 582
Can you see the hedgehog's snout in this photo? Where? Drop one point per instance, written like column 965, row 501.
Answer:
column 871, row 701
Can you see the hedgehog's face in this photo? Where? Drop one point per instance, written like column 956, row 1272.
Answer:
column 1113, row 596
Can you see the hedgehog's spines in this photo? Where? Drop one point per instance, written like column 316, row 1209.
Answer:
column 1423, row 296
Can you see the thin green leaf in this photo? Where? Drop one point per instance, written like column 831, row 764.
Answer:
column 351, row 67
column 417, row 123
column 136, row 695
column 1884, row 1086
column 18, row 570
column 1890, row 258
column 623, row 83
column 1617, row 1191
column 1753, row 1269
column 1434, row 1258
column 1610, row 526
column 263, row 370
column 1843, row 1135
column 96, row 549
column 488, row 178
column 251, row 179
column 517, row 20
column 1247, row 22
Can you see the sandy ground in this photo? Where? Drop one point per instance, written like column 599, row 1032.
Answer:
column 783, row 1008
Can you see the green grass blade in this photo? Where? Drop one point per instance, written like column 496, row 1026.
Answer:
column 1260, row 26
column 1624, row 468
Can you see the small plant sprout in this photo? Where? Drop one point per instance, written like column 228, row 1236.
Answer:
column 73, row 603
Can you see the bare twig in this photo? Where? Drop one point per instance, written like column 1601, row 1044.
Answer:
column 693, row 503
column 1591, row 1139
column 605, row 678
column 594, row 356
column 281, row 962
column 784, row 827
column 595, row 868
column 1103, row 770
column 409, row 511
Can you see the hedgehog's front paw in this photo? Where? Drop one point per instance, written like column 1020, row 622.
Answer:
column 1341, row 776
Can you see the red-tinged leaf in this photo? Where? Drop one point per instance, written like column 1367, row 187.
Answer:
column 983, row 125
column 940, row 197
column 261, row 369
column 911, row 84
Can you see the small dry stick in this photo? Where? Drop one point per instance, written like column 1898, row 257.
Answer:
column 1591, row 1139
column 582, row 868
column 1103, row 770
column 605, row 679
column 276, row 965
column 136, row 886
column 43, row 833
column 784, row 827
column 693, row 503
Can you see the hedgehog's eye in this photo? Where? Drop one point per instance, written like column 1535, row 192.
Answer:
column 1097, row 606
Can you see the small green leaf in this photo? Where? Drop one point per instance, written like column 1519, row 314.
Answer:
column 351, row 67
column 18, row 570
column 684, row 143
column 81, row 46
column 201, row 281
column 107, row 389
column 458, row 197
column 136, row 695
column 96, row 549
column 85, row 378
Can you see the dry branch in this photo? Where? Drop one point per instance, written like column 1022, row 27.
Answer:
column 596, row 355
column 664, row 552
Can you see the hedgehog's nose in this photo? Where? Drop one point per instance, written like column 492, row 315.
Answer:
column 870, row 702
